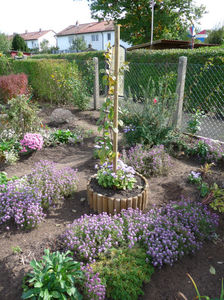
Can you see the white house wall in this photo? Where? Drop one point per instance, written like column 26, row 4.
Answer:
column 50, row 36
column 32, row 44
column 63, row 42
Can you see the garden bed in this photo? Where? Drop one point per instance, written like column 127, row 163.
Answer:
column 19, row 247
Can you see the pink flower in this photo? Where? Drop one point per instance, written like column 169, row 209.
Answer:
column 154, row 100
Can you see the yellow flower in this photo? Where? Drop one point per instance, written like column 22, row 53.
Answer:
column 52, row 75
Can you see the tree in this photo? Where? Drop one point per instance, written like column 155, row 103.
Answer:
column 5, row 43
column 171, row 17
column 216, row 36
column 18, row 43
column 44, row 46
column 78, row 44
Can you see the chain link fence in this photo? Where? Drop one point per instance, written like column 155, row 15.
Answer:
column 204, row 90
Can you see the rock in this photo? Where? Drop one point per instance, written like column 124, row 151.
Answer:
column 60, row 116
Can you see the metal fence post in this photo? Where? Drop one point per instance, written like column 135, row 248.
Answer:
column 182, row 68
column 96, row 82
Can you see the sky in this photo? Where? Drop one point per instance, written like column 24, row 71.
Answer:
column 18, row 16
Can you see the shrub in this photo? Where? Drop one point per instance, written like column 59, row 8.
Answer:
column 5, row 65
column 12, row 86
column 166, row 234
column 195, row 56
column 56, row 81
column 53, row 184
column 151, row 120
column 21, row 204
column 56, row 276
column 124, row 272
column 18, row 43
column 21, row 116
column 148, row 161
column 5, row 43
column 32, row 141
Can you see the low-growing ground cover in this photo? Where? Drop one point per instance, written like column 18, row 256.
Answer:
column 163, row 190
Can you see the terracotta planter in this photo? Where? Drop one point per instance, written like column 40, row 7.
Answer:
column 101, row 203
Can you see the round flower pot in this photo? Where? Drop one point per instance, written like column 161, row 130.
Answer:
column 101, row 202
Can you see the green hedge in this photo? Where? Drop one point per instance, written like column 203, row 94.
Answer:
column 55, row 81
column 195, row 56
column 204, row 86
column 84, row 61
column 72, row 56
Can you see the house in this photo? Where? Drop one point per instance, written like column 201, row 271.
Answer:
column 34, row 39
column 96, row 34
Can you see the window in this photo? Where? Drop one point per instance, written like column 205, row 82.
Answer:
column 95, row 37
column 109, row 36
column 70, row 39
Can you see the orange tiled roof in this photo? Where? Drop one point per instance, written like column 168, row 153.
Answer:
column 87, row 28
column 27, row 36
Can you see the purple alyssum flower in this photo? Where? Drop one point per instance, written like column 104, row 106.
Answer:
column 166, row 234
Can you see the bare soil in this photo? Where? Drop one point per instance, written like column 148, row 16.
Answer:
column 165, row 283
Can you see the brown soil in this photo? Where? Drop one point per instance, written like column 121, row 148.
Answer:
column 165, row 283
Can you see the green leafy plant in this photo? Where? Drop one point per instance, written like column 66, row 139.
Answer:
column 204, row 189
column 124, row 271
column 21, row 117
column 4, row 178
column 151, row 120
column 218, row 198
column 65, row 136
column 194, row 123
column 122, row 179
column 56, row 276
column 16, row 250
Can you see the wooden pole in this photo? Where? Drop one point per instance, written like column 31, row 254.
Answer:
column 116, row 75
column 96, row 82
column 182, row 69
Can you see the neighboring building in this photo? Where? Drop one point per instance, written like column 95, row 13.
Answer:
column 169, row 44
column 34, row 39
column 96, row 34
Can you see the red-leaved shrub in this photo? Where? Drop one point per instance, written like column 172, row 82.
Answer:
column 13, row 85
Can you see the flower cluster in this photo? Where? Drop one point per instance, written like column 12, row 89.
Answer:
column 207, row 149
column 53, row 184
column 93, row 288
column 194, row 177
column 148, row 161
column 124, row 178
column 20, row 203
column 215, row 149
column 33, row 141
column 166, row 233
column 129, row 128
column 24, row 200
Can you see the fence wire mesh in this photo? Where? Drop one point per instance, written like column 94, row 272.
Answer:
column 204, row 90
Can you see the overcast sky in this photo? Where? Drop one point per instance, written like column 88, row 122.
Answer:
column 31, row 15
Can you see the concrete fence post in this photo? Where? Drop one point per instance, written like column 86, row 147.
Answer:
column 96, row 82
column 182, row 68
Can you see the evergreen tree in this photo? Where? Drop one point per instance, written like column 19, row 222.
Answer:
column 18, row 43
